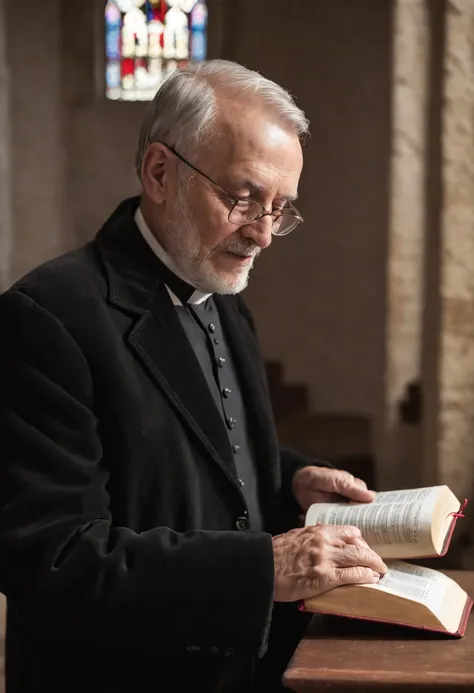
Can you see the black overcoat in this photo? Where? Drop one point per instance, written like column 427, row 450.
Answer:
column 123, row 549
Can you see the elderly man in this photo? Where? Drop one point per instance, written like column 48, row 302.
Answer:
column 148, row 517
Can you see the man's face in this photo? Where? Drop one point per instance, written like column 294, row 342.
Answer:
column 252, row 157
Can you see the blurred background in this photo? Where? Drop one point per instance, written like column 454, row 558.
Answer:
column 366, row 312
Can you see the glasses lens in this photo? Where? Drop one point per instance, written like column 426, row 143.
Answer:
column 245, row 212
column 285, row 225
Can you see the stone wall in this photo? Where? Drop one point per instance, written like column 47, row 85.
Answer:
column 100, row 134
column 398, row 441
column 40, row 229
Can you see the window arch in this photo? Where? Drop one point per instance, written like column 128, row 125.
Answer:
column 146, row 40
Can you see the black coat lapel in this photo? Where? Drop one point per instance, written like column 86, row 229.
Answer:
column 158, row 339
column 163, row 347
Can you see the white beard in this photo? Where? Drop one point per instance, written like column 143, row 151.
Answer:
column 194, row 259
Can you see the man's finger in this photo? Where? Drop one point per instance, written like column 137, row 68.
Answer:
column 361, row 495
column 354, row 575
column 327, row 497
column 352, row 555
column 361, row 482
column 354, row 489
column 347, row 532
column 357, row 541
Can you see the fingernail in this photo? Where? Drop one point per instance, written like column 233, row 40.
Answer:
column 376, row 575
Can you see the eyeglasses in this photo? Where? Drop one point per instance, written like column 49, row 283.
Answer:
column 247, row 211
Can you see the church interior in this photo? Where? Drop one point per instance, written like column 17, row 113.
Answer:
column 366, row 313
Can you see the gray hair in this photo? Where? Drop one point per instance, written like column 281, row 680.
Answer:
column 184, row 109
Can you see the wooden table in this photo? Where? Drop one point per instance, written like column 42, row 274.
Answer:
column 345, row 655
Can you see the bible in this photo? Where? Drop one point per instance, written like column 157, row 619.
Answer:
column 412, row 523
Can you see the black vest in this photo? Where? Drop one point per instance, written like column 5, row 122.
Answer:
column 202, row 326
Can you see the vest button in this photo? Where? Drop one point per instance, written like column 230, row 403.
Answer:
column 241, row 483
column 231, row 422
column 235, row 449
column 216, row 342
column 226, row 392
column 193, row 649
column 220, row 361
column 242, row 524
column 211, row 327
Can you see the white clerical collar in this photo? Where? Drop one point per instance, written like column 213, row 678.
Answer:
column 197, row 296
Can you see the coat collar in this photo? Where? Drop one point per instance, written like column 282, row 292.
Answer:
column 132, row 270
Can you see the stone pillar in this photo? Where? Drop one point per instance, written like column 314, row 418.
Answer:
column 397, row 445
column 6, row 231
column 449, row 420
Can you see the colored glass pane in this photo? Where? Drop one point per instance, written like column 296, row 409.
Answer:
column 146, row 40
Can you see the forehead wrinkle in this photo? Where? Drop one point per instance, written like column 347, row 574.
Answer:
column 246, row 180
column 262, row 189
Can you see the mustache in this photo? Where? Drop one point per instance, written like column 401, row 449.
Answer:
column 240, row 247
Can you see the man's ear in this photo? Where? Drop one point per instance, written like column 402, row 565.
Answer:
column 154, row 173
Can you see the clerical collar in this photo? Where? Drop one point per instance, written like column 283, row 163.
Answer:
column 179, row 288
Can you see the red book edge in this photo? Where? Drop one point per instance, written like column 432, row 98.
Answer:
column 449, row 535
column 456, row 516
column 457, row 634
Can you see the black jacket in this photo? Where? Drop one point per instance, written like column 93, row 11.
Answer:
column 122, row 553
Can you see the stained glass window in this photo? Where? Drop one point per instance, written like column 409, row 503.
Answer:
column 146, row 40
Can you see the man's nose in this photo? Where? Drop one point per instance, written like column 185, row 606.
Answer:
column 260, row 231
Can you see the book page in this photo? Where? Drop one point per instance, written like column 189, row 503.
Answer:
column 397, row 524
column 414, row 582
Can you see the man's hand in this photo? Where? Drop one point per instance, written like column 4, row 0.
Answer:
column 321, row 485
column 315, row 559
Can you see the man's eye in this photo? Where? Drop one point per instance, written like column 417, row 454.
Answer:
column 226, row 196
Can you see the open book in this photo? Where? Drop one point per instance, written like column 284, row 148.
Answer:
column 407, row 595
column 412, row 523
